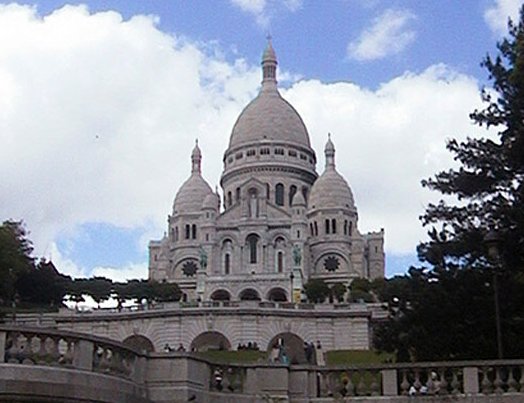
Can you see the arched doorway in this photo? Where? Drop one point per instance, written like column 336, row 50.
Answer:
column 277, row 295
column 210, row 341
column 293, row 346
column 249, row 295
column 220, row 295
column 140, row 343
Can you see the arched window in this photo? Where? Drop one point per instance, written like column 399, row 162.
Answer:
column 316, row 229
column 345, row 227
column 193, row 231
column 229, row 199
column 267, row 190
column 350, row 228
column 227, row 263
column 333, row 226
column 176, row 233
column 280, row 261
column 311, row 229
column 292, row 191
column 304, row 192
column 279, row 194
column 188, row 231
column 252, row 241
column 327, row 226
column 227, row 248
column 237, row 195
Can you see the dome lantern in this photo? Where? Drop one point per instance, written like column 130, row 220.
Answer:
column 196, row 159
column 269, row 67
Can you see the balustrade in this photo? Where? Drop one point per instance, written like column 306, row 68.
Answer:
column 453, row 380
column 227, row 378
column 449, row 378
column 31, row 346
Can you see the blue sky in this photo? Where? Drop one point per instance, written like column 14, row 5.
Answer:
column 101, row 101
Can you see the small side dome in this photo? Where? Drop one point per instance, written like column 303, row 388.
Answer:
column 298, row 200
column 211, row 202
column 330, row 190
column 194, row 188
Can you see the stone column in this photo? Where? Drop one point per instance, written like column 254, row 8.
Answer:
column 471, row 380
column 2, row 346
column 389, row 382
column 83, row 355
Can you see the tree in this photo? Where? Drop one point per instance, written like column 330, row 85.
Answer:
column 338, row 290
column 489, row 181
column 166, row 292
column 316, row 290
column 99, row 288
column 15, row 257
column 448, row 312
column 42, row 285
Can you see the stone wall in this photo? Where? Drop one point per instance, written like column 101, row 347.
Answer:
column 335, row 326
column 42, row 364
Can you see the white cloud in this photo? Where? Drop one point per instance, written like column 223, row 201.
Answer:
column 99, row 116
column 264, row 10
column 388, row 140
column 121, row 274
column 496, row 16
column 389, row 34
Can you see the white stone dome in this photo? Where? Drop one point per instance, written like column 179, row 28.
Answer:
column 193, row 189
column 211, row 201
column 269, row 116
column 330, row 190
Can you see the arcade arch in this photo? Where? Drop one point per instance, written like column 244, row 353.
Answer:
column 140, row 343
column 210, row 341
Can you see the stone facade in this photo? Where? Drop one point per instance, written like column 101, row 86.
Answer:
column 278, row 223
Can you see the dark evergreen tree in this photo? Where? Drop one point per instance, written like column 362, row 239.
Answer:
column 316, row 290
column 42, row 285
column 15, row 257
column 489, row 181
column 448, row 312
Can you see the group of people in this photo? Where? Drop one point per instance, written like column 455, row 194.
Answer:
column 313, row 353
column 249, row 346
column 168, row 348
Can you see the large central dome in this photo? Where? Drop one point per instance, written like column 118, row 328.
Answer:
column 269, row 116
column 269, row 136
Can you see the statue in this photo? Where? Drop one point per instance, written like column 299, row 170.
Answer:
column 203, row 258
column 297, row 255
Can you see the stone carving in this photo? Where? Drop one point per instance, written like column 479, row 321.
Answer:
column 203, row 257
column 297, row 255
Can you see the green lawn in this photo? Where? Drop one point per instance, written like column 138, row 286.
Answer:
column 336, row 357
column 344, row 357
column 242, row 356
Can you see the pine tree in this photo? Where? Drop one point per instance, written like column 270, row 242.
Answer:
column 489, row 181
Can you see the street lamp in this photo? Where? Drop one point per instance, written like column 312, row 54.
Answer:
column 492, row 241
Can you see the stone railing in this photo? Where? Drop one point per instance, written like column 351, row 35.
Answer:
column 442, row 379
column 48, row 347
column 356, row 307
column 41, row 355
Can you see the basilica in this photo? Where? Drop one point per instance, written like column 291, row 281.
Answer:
column 278, row 223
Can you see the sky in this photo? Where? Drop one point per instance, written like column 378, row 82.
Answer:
column 101, row 103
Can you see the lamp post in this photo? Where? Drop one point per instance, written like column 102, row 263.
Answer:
column 492, row 241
